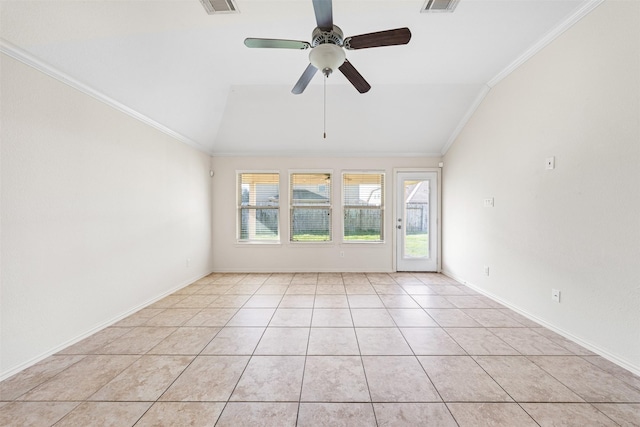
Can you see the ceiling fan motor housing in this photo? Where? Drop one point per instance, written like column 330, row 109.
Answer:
column 335, row 36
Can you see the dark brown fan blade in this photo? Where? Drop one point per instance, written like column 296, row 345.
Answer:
column 276, row 43
column 324, row 14
column 354, row 77
column 304, row 80
column 378, row 39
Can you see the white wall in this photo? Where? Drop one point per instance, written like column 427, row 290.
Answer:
column 231, row 256
column 99, row 213
column 575, row 228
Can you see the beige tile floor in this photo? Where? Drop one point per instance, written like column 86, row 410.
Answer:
column 347, row 349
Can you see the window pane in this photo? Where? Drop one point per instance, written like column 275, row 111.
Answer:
column 363, row 204
column 310, row 224
column 259, row 189
column 363, row 189
column 258, row 224
column 362, row 224
column 258, row 206
column 310, row 207
column 310, row 189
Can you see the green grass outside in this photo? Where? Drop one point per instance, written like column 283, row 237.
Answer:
column 416, row 245
column 369, row 237
column 362, row 239
column 260, row 236
column 262, row 233
column 311, row 238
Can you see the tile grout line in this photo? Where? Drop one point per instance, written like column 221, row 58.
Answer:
column 304, row 366
column 226, row 403
column 427, row 374
column 190, row 363
column 199, row 355
column 375, row 417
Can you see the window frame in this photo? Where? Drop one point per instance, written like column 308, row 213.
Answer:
column 239, row 208
column 381, row 207
column 293, row 206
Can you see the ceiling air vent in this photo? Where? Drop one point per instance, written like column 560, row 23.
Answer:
column 432, row 6
column 220, row 6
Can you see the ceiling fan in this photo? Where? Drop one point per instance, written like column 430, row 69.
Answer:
column 327, row 47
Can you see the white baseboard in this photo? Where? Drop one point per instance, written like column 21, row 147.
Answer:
column 299, row 270
column 6, row 374
column 589, row 346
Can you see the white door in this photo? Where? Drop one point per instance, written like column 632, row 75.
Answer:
column 416, row 221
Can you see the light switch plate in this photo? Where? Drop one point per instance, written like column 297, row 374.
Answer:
column 488, row 203
column 551, row 163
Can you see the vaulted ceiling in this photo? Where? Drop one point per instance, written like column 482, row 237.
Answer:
column 188, row 73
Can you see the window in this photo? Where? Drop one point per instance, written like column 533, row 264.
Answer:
column 258, row 207
column 363, row 205
column 310, row 196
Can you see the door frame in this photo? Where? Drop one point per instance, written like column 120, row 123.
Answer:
column 438, row 172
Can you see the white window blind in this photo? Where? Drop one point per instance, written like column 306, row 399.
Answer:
column 258, row 207
column 310, row 196
column 363, row 206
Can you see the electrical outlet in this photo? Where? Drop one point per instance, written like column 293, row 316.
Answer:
column 341, row 254
column 488, row 203
column 555, row 295
column 486, row 270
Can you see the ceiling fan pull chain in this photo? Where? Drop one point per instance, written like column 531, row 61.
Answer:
column 325, row 107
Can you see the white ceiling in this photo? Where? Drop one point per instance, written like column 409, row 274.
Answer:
column 189, row 73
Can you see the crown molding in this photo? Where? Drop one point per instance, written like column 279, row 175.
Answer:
column 26, row 58
column 467, row 116
column 545, row 40
column 334, row 154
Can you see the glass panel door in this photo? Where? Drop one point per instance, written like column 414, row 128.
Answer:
column 416, row 218
column 416, row 215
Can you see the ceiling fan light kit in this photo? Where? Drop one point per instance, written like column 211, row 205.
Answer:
column 327, row 57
